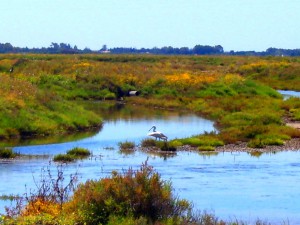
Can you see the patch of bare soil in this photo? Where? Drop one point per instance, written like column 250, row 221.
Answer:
column 295, row 125
column 290, row 145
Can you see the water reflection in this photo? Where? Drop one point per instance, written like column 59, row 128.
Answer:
column 58, row 138
column 208, row 154
column 127, row 151
column 160, row 154
column 255, row 153
column 258, row 154
column 114, row 112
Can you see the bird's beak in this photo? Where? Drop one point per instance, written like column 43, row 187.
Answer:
column 151, row 128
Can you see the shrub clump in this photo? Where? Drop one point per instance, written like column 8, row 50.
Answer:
column 139, row 194
column 126, row 145
column 148, row 142
column 167, row 147
column 72, row 155
column 63, row 158
column 7, row 153
column 205, row 140
column 79, row 152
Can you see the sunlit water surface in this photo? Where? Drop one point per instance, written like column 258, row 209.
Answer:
column 231, row 185
column 287, row 94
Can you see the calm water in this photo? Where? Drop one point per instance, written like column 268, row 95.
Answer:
column 287, row 94
column 232, row 185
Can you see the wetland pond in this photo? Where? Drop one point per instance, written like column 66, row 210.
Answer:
column 230, row 185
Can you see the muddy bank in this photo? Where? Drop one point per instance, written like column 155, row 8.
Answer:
column 290, row 145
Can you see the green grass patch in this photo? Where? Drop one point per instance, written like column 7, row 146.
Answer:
column 267, row 139
column 148, row 142
column 202, row 140
column 65, row 158
column 126, row 145
column 72, row 155
column 175, row 143
column 79, row 152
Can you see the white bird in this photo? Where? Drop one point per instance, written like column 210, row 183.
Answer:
column 157, row 134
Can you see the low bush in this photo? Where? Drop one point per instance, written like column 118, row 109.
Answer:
column 126, row 145
column 267, row 139
column 231, row 135
column 79, row 152
column 64, row 158
column 192, row 141
column 44, row 203
column 295, row 113
column 148, row 142
column 165, row 146
column 175, row 143
column 72, row 155
column 138, row 194
column 7, row 153
column 202, row 140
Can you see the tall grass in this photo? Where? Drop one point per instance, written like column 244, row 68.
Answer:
column 72, row 155
column 236, row 92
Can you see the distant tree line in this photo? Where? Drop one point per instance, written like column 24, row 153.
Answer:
column 63, row 48
column 197, row 50
column 54, row 48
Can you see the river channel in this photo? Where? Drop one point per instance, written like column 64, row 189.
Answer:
column 230, row 185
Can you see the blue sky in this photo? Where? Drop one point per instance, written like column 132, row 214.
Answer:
column 234, row 24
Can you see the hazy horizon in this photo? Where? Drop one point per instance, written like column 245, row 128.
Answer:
column 239, row 25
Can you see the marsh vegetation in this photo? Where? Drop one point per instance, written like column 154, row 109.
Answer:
column 41, row 96
column 7, row 153
column 50, row 94
column 130, row 197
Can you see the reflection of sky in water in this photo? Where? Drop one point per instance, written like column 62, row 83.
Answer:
column 136, row 130
column 233, row 185
column 131, row 130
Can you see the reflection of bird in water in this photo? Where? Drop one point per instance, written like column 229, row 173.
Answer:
column 157, row 134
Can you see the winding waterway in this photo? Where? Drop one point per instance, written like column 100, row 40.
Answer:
column 232, row 185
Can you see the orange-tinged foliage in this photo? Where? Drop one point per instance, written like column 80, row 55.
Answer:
column 7, row 63
column 15, row 91
column 197, row 83
column 232, row 78
column 190, row 80
column 139, row 193
column 40, row 206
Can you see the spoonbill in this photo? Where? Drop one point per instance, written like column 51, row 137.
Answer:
column 157, row 134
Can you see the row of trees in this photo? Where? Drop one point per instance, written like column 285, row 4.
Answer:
column 54, row 48
column 198, row 49
column 64, row 48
